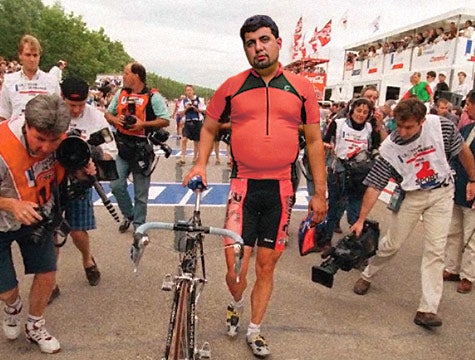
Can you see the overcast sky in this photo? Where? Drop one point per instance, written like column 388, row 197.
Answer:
column 198, row 41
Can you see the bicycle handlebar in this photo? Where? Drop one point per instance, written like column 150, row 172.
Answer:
column 141, row 240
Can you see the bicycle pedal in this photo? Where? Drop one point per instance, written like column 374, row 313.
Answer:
column 205, row 351
column 167, row 284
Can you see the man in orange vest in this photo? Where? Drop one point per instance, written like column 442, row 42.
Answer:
column 29, row 180
column 136, row 112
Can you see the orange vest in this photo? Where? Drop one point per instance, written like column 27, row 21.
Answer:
column 141, row 101
column 33, row 179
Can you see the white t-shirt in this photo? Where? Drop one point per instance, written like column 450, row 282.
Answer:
column 463, row 89
column 56, row 72
column 17, row 90
column 196, row 101
column 90, row 121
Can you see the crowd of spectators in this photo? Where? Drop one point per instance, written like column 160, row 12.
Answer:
column 7, row 67
column 421, row 39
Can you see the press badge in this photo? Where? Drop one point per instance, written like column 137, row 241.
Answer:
column 30, row 176
column 396, row 199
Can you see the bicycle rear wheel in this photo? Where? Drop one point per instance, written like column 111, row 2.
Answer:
column 182, row 342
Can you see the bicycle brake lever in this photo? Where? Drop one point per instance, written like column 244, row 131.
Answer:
column 238, row 254
column 137, row 249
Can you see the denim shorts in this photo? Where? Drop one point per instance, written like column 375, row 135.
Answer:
column 79, row 213
column 37, row 258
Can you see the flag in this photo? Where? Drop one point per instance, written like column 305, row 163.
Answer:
column 303, row 49
column 344, row 19
column 314, row 40
column 375, row 23
column 324, row 34
column 297, row 39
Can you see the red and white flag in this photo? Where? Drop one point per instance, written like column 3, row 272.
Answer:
column 324, row 35
column 314, row 40
column 303, row 49
column 297, row 39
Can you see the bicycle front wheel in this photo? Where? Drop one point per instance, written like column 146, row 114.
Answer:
column 182, row 341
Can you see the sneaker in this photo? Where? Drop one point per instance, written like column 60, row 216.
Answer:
column 93, row 274
column 54, row 295
column 36, row 333
column 258, row 345
column 11, row 322
column 232, row 320
column 125, row 224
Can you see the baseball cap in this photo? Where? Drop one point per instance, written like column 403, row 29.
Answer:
column 443, row 74
column 75, row 89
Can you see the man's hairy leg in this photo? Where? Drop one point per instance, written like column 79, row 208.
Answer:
column 237, row 288
column 266, row 259
column 41, row 288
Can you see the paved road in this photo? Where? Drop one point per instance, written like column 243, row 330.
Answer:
column 126, row 316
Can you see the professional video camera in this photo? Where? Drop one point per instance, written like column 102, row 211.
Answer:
column 130, row 118
column 348, row 254
column 158, row 138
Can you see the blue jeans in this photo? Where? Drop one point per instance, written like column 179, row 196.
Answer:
column 138, row 210
column 339, row 200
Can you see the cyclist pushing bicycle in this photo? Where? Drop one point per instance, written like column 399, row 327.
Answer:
column 266, row 105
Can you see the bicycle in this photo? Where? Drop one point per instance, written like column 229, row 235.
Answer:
column 190, row 279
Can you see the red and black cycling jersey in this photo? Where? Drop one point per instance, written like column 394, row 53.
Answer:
column 265, row 120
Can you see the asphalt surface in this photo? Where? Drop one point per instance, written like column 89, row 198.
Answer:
column 126, row 315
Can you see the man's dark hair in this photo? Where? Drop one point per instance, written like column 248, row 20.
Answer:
column 258, row 21
column 410, row 108
column 139, row 69
column 369, row 88
column 431, row 74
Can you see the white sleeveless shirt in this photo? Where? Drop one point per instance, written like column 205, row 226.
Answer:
column 422, row 163
column 349, row 141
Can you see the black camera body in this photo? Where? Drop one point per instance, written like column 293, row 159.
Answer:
column 42, row 228
column 129, row 121
column 349, row 253
column 129, row 118
column 158, row 138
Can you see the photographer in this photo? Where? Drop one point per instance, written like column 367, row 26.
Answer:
column 348, row 140
column 28, row 212
column 191, row 108
column 416, row 155
column 135, row 112
column 79, row 211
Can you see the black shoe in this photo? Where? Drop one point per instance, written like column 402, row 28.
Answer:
column 427, row 320
column 125, row 224
column 93, row 274
column 54, row 294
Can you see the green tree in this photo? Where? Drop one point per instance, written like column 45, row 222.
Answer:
column 66, row 36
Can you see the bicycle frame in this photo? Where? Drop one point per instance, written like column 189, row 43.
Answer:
column 187, row 284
